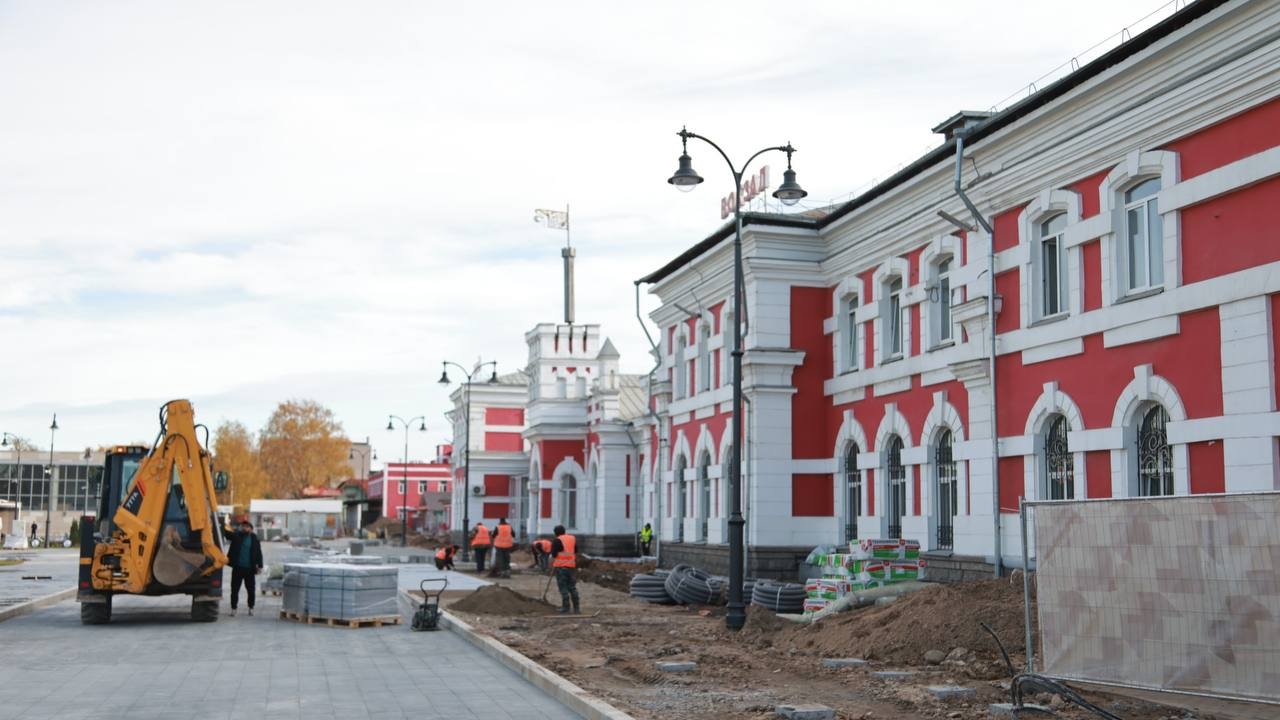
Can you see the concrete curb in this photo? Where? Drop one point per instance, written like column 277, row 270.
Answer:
column 565, row 692
column 31, row 606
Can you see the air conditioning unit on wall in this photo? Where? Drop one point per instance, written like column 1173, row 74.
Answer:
column 478, row 491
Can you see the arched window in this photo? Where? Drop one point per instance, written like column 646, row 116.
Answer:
column 1155, row 458
column 945, row 466
column 897, row 475
column 568, row 501
column 1059, row 469
column 704, row 494
column 852, row 493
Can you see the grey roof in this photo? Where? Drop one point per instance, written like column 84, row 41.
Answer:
column 631, row 397
column 608, row 350
column 519, row 377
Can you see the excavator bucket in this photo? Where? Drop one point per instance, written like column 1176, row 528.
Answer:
column 175, row 565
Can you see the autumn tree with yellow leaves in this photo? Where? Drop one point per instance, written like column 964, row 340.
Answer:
column 236, row 453
column 303, row 446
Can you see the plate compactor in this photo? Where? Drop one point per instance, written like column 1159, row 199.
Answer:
column 428, row 615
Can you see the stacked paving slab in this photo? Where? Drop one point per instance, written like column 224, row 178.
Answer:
column 340, row 591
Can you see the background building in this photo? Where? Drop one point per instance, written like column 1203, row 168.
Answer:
column 25, row 479
column 1136, row 296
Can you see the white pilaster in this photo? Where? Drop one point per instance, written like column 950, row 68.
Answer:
column 1248, row 386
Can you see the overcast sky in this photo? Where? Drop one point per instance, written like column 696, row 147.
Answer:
column 240, row 203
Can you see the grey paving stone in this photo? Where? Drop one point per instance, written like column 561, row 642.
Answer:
column 1012, row 711
column 676, row 667
column 892, row 674
column 260, row 667
column 951, row 692
column 837, row 663
column 805, row 712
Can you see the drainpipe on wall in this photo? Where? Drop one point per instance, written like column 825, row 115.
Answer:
column 991, row 329
column 658, row 429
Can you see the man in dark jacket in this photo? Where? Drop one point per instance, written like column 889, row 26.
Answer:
column 244, row 554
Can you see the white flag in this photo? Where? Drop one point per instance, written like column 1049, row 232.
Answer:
column 553, row 219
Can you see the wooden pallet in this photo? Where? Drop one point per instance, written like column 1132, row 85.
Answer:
column 341, row 622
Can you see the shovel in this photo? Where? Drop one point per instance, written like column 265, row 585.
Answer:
column 547, row 587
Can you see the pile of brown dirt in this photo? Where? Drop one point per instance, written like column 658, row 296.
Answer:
column 939, row 617
column 499, row 600
column 612, row 575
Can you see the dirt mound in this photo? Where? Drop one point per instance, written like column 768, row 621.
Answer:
column 940, row 617
column 615, row 576
column 763, row 625
column 498, row 600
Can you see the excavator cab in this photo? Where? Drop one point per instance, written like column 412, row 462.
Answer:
column 156, row 529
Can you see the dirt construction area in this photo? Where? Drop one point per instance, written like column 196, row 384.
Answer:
column 613, row 648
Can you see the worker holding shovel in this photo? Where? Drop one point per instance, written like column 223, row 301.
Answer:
column 565, row 564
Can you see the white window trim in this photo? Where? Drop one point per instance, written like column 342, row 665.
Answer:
column 940, row 249
column 680, row 379
column 1138, row 166
column 1053, row 401
column 891, row 268
column 704, row 355
column 942, row 416
column 850, row 288
column 1047, row 203
column 726, row 344
column 1146, row 389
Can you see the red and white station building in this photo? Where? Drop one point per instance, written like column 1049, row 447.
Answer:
column 1137, row 320
column 413, row 490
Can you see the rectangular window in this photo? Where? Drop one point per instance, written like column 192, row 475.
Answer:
column 893, row 321
column 1052, row 262
column 422, row 487
column 851, row 333
column 944, row 301
column 1144, row 237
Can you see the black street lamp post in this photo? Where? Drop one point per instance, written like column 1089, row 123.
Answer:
column 48, row 483
column 789, row 193
column 364, row 455
column 404, row 479
column 466, row 440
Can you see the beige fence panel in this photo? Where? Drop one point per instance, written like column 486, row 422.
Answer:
column 1177, row 593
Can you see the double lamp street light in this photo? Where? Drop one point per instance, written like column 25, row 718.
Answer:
column 789, row 193
column 466, row 440
column 404, row 479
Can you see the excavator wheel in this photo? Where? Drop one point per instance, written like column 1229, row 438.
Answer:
column 204, row 611
column 95, row 613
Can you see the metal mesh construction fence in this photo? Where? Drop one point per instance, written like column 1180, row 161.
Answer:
column 1169, row 594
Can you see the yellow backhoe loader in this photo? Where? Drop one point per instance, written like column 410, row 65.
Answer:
column 156, row 532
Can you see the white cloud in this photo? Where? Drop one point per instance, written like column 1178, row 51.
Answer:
column 243, row 202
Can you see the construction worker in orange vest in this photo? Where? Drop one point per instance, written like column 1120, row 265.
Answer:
column 503, row 542
column 565, row 562
column 444, row 557
column 541, row 553
column 480, row 544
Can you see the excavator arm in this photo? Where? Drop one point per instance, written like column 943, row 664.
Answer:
column 166, row 530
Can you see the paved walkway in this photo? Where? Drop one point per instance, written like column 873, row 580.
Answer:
column 152, row 662
column 60, row 566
